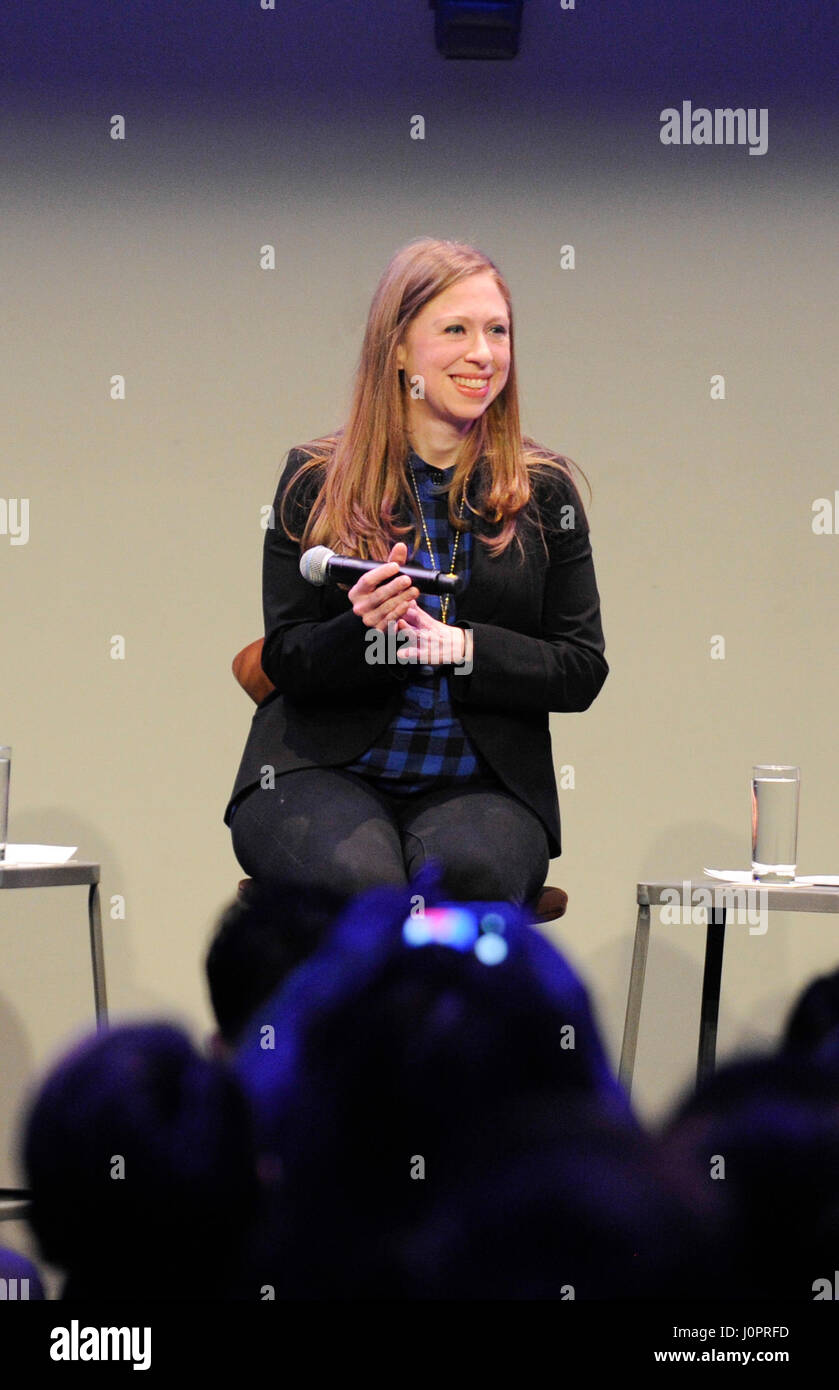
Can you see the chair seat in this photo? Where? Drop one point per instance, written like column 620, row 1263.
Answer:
column 549, row 904
column 247, row 668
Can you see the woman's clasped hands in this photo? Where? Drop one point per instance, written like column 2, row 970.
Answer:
column 383, row 596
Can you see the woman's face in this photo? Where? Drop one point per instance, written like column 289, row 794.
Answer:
column 459, row 347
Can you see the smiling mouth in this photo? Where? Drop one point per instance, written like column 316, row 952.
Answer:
column 471, row 383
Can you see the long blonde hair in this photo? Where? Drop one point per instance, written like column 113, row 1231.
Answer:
column 364, row 485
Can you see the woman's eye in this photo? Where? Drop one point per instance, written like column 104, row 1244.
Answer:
column 499, row 328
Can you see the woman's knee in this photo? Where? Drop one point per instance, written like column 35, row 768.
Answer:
column 474, row 873
column 506, row 868
column 283, row 841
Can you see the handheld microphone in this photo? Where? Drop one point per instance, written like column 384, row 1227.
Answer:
column 320, row 565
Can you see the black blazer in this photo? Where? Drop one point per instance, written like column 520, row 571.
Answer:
column 537, row 646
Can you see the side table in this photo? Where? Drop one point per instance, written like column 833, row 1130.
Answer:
column 14, row 1202
column 717, row 895
column 74, row 871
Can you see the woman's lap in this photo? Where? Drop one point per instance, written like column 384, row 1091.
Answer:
column 327, row 826
column 316, row 826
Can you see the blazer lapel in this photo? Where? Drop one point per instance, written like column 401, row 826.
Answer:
column 484, row 593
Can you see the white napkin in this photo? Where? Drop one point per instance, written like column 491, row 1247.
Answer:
column 38, row 854
column 746, row 876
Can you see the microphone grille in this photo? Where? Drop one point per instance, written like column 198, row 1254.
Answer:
column 313, row 563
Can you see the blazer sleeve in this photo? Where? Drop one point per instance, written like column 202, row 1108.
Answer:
column 305, row 655
column 564, row 668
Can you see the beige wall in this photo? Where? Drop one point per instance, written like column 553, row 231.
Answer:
column 144, row 515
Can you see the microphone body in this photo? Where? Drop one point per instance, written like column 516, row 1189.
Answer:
column 320, row 565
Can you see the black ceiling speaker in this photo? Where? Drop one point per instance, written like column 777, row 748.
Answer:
column 477, row 28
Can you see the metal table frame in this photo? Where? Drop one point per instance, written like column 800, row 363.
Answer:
column 73, row 872
column 780, row 897
column 14, row 1202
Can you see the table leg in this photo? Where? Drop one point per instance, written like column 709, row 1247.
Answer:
column 97, row 956
column 15, row 1203
column 710, row 1007
column 633, row 1002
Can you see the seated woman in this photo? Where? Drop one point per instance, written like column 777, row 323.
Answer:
column 406, row 727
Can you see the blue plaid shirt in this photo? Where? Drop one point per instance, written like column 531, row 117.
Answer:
column 425, row 745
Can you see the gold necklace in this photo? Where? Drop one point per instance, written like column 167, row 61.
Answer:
column 444, row 603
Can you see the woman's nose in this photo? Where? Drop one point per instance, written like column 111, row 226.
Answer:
column 480, row 350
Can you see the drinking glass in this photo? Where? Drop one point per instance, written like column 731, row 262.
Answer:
column 775, row 788
column 5, row 771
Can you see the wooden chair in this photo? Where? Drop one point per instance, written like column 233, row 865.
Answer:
column 548, row 905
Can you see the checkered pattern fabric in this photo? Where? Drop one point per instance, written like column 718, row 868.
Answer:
column 425, row 745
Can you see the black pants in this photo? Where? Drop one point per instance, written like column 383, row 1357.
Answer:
column 323, row 825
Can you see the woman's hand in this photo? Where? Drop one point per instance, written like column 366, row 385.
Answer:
column 378, row 597
column 432, row 643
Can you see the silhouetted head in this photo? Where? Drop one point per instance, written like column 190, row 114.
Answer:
column 763, row 1137
column 813, row 1024
column 567, row 1202
column 375, row 1073
column 139, row 1154
column 260, row 939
